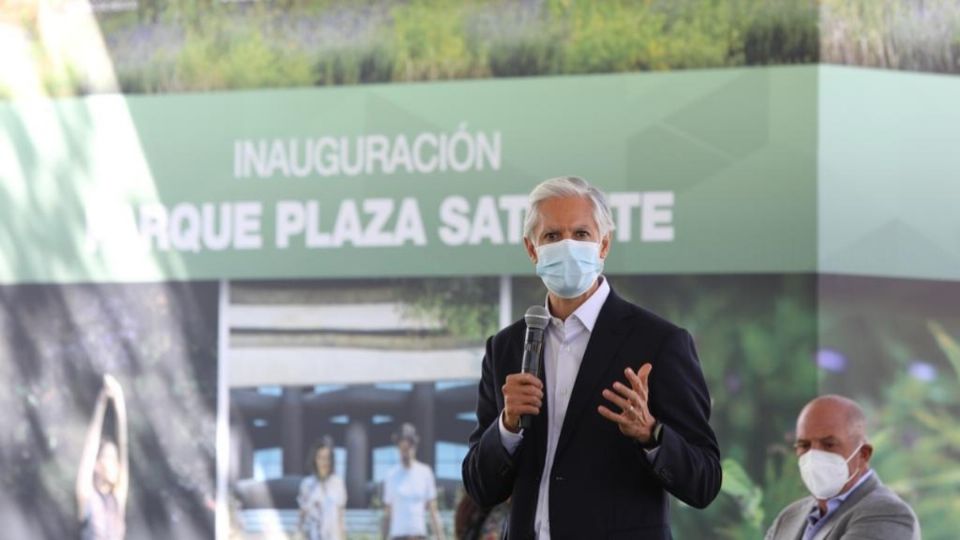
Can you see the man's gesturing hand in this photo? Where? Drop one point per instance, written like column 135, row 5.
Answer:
column 634, row 419
column 522, row 394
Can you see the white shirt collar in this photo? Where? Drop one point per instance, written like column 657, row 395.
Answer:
column 588, row 311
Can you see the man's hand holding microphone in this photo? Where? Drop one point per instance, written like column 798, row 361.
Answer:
column 522, row 395
column 523, row 392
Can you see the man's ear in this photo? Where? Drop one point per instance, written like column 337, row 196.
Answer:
column 605, row 246
column 531, row 249
column 866, row 452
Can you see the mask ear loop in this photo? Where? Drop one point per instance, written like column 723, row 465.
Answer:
column 848, row 461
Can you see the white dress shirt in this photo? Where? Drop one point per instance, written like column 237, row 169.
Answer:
column 563, row 346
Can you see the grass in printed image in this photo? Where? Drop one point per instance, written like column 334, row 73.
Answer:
column 184, row 45
column 917, row 35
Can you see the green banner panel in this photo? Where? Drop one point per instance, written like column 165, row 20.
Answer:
column 889, row 173
column 708, row 171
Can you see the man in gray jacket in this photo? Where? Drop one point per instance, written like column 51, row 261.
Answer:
column 847, row 500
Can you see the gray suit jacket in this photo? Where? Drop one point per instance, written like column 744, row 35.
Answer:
column 871, row 512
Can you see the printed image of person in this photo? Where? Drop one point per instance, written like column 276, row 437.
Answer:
column 323, row 496
column 103, row 480
column 409, row 492
column 847, row 499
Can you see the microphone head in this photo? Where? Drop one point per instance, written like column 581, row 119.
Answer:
column 537, row 317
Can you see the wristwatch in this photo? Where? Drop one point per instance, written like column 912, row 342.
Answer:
column 655, row 437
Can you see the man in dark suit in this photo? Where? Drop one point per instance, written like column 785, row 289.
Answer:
column 621, row 411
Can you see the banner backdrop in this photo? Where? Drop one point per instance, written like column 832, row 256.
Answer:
column 710, row 171
column 367, row 240
column 888, row 174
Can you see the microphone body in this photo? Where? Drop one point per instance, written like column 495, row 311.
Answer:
column 537, row 319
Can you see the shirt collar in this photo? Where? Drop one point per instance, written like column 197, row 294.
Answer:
column 588, row 311
column 843, row 496
column 834, row 502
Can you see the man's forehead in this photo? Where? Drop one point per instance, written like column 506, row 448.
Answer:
column 570, row 203
column 550, row 224
column 566, row 210
column 808, row 436
column 818, row 427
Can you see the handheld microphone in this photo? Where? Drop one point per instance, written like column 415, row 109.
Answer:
column 537, row 319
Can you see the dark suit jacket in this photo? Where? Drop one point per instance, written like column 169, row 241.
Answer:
column 602, row 484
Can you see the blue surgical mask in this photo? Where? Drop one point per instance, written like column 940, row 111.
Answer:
column 569, row 267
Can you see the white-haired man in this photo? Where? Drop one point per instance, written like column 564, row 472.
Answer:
column 620, row 417
column 847, row 499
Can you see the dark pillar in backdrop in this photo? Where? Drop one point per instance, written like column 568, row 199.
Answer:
column 424, row 398
column 358, row 464
column 291, row 431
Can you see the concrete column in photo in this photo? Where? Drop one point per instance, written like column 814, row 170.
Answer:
column 358, row 464
column 241, row 452
column 291, row 431
column 423, row 400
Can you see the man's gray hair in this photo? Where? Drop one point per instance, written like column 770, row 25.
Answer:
column 568, row 186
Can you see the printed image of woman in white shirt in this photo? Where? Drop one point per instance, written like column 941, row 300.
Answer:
column 409, row 493
column 322, row 496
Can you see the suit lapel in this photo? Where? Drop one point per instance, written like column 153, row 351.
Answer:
column 850, row 502
column 798, row 520
column 605, row 340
